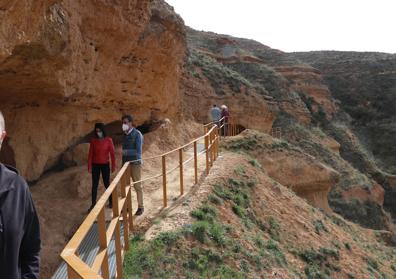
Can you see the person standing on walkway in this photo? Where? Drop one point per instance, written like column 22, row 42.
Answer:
column 225, row 114
column 132, row 152
column 101, row 149
column 19, row 224
column 215, row 114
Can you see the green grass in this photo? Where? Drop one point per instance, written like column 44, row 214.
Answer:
column 205, row 212
column 274, row 228
column 254, row 163
column 318, row 262
column 348, row 246
column 240, row 170
column 199, row 230
column 214, row 199
column 372, row 264
column 319, row 226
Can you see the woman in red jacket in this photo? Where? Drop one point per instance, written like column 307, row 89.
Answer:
column 100, row 150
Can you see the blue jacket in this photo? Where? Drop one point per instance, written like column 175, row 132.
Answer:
column 132, row 147
column 19, row 228
column 215, row 113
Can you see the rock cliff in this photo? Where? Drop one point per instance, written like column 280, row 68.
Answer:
column 65, row 65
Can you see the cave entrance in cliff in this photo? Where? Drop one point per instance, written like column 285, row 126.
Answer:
column 239, row 128
column 113, row 130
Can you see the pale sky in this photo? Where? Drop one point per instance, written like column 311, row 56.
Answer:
column 298, row 25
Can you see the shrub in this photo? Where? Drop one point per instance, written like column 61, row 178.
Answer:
column 205, row 212
column 372, row 263
column 214, row 199
column 319, row 226
column 199, row 230
column 238, row 210
column 348, row 246
column 254, row 163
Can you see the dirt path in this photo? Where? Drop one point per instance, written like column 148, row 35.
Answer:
column 153, row 191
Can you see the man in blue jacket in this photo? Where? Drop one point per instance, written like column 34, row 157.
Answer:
column 132, row 152
column 19, row 225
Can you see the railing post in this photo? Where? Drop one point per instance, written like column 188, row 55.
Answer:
column 195, row 162
column 211, row 148
column 217, row 142
column 207, row 153
column 103, row 242
column 129, row 197
column 164, row 181
column 181, row 171
column 124, row 210
column 117, row 233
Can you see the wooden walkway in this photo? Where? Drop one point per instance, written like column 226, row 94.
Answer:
column 89, row 247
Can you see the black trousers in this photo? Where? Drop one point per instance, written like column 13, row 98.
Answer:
column 96, row 170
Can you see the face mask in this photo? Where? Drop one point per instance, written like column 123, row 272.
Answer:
column 125, row 127
column 100, row 134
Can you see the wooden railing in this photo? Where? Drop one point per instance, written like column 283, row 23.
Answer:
column 120, row 190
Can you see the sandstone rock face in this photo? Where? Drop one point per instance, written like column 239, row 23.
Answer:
column 291, row 167
column 77, row 156
column 305, row 176
column 375, row 194
column 65, row 65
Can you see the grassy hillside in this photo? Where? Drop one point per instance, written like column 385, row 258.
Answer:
column 247, row 225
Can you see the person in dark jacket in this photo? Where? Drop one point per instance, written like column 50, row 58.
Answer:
column 19, row 225
column 132, row 152
column 225, row 113
column 101, row 149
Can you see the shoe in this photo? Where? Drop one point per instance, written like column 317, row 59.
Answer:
column 139, row 211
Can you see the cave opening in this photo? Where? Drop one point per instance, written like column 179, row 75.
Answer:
column 113, row 130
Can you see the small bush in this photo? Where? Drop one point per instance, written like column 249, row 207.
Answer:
column 240, row 170
column 167, row 238
column 330, row 252
column 314, row 272
column 216, row 233
column 312, row 257
column 258, row 241
column 238, row 210
column 222, row 192
column 274, row 228
column 372, row 263
column 205, row 212
column 348, row 246
column 319, row 226
column 199, row 230
column 393, row 266
column 214, row 199
column 255, row 163
column 244, row 266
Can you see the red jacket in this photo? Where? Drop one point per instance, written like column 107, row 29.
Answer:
column 99, row 151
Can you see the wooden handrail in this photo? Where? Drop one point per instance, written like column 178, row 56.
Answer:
column 120, row 190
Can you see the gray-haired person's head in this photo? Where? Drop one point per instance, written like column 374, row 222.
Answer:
column 2, row 128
